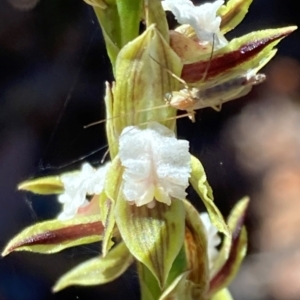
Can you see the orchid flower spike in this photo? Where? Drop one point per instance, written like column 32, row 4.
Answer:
column 202, row 18
column 89, row 181
column 157, row 165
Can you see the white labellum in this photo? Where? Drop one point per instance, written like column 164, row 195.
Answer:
column 157, row 165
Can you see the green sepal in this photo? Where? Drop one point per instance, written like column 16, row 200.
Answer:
column 232, row 251
column 200, row 184
column 148, row 284
column 179, row 266
column 99, row 270
column 43, row 186
column 112, row 185
column 112, row 137
column 110, row 30
column 240, row 55
column 235, row 220
column 147, row 234
column 233, row 13
column 223, row 294
column 228, row 272
column 196, row 252
column 53, row 236
column 142, row 82
column 149, row 287
column 181, row 288
column 154, row 14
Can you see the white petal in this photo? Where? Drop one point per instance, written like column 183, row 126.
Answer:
column 78, row 185
column 202, row 18
column 157, row 165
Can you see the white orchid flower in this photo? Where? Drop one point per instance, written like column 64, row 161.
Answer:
column 202, row 18
column 78, row 185
column 157, row 165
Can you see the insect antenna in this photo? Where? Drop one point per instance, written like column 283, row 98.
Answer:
column 122, row 115
column 190, row 113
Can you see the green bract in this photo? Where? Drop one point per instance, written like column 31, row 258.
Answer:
column 141, row 79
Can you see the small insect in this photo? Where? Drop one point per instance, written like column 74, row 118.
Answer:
column 192, row 98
